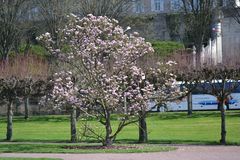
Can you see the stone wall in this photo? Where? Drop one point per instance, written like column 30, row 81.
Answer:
column 151, row 26
column 231, row 40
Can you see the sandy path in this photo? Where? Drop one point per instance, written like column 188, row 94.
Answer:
column 182, row 153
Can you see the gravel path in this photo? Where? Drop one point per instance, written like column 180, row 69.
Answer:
column 182, row 153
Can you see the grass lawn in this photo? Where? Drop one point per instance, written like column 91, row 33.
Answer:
column 200, row 128
column 28, row 158
column 80, row 148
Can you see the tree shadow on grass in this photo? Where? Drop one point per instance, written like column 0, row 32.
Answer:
column 196, row 114
column 176, row 142
column 39, row 119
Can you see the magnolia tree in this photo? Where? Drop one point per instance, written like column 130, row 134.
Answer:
column 64, row 94
column 99, row 73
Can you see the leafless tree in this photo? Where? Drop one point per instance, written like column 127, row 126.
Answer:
column 53, row 14
column 220, row 81
column 18, row 79
column 198, row 17
column 10, row 12
column 233, row 9
column 110, row 8
column 186, row 74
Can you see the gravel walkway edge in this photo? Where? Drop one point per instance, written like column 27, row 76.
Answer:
column 187, row 152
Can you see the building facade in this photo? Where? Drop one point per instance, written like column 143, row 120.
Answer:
column 166, row 6
column 156, row 6
column 224, row 47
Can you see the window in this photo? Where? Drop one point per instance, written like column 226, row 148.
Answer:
column 157, row 5
column 138, row 6
column 32, row 13
column 176, row 5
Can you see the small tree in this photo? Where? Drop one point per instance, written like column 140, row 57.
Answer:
column 17, row 81
column 165, row 89
column 100, row 58
column 189, row 80
column 9, row 89
column 220, row 82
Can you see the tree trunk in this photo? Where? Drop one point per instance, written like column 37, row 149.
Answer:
column 108, row 141
column 9, row 121
column 189, row 103
column 17, row 104
column 143, row 136
column 73, row 126
column 39, row 108
column 78, row 113
column 223, row 124
column 26, row 106
column 5, row 55
column 27, row 47
column 198, row 54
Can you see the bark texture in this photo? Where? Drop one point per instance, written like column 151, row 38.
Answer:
column 9, row 121
column 223, row 125
column 73, row 126
column 189, row 103
column 143, row 135
column 26, row 106
column 108, row 141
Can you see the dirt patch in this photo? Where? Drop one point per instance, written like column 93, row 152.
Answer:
column 103, row 147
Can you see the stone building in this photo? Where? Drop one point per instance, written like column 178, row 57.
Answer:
column 155, row 6
column 158, row 28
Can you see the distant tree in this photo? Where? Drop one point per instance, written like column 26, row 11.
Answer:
column 10, row 13
column 198, row 19
column 109, row 8
column 53, row 14
column 233, row 9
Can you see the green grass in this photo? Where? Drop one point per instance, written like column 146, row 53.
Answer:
column 8, row 158
column 165, row 48
column 34, row 49
column 200, row 128
column 87, row 148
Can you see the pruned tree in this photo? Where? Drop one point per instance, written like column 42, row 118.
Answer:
column 10, row 13
column 220, row 81
column 110, row 8
column 9, row 92
column 187, row 78
column 17, row 78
